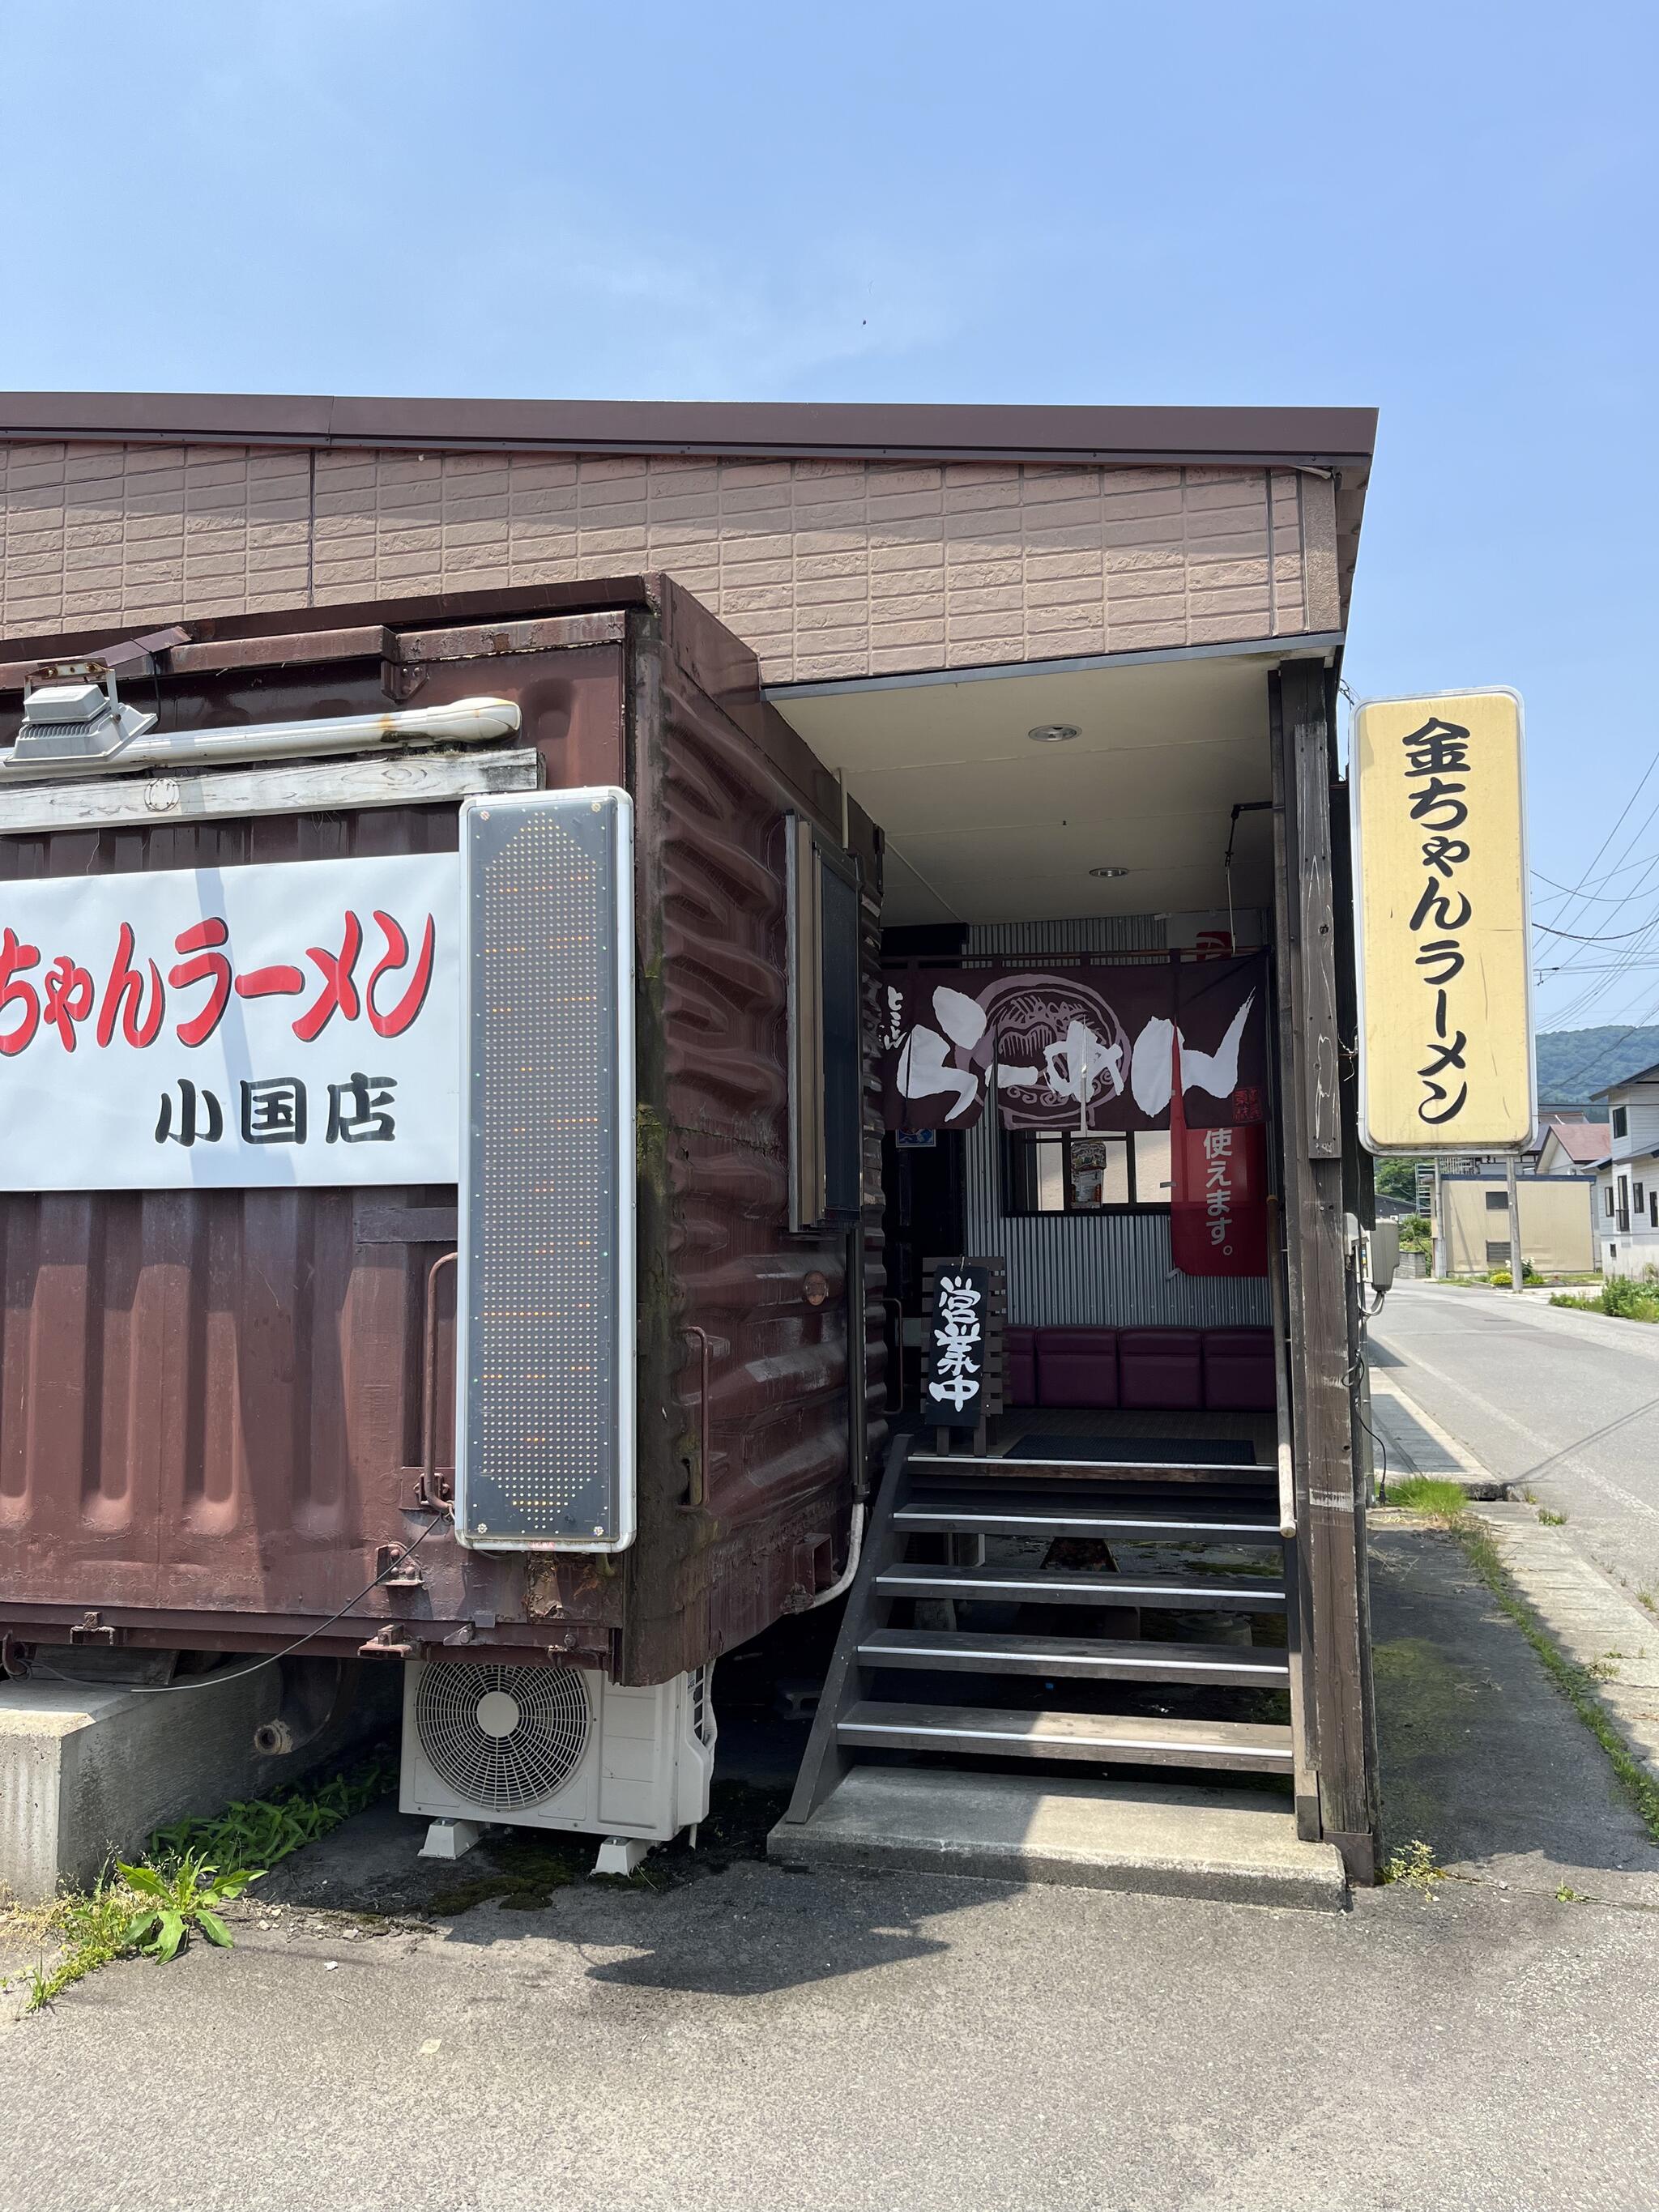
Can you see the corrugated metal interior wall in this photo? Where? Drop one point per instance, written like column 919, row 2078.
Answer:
column 1110, row 1269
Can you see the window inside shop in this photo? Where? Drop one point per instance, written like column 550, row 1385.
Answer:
column 1062, row 1171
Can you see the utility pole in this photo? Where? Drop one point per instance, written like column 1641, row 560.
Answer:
column 1437, row 1227
column 1517, row 1264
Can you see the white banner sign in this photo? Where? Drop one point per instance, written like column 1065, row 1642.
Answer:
column 218, row 1027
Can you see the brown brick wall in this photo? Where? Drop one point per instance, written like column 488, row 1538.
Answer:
column 827, row 569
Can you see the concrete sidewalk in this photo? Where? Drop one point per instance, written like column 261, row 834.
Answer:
column 1413, row 1442
column 756, row 2037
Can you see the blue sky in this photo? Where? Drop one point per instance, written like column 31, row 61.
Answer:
column 1445, row 211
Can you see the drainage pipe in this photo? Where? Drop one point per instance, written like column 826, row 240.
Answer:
column 465, row 721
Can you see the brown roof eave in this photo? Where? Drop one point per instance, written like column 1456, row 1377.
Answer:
column 1311, row 437
column 18, row 655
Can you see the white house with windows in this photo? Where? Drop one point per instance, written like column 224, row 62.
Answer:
column 1627, row 1181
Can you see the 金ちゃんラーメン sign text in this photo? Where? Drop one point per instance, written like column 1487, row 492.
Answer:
column 231, row 1027
column 1441, row 897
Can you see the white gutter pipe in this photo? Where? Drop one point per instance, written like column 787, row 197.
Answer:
column 465, row 721
column 854, row 1547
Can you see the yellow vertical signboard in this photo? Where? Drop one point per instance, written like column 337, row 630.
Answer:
column 1445, row 981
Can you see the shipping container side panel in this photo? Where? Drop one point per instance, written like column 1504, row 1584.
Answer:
column 210, row 1402
column 204, row 1396
column 767, row 1502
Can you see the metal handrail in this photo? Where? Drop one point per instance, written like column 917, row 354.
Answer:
column 897, row 1405
column 700, row 1479
column 428, row 1493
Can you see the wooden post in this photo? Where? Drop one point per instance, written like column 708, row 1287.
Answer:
column 1324, row 1350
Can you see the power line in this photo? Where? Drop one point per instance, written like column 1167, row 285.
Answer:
column 1610, row 937
column 1612, row 968
column 1637, row 940
column 1601, row 898
column 1614, row 826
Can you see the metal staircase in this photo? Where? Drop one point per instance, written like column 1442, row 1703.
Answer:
column 955, row 1653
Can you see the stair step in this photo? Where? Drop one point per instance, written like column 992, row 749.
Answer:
column 1019, row 1517
column 1098, row 1737
column 1227, row 1476
column 1055, row 1584
column 1094, row 1658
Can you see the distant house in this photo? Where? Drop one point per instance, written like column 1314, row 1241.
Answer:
column 1566, row 1143
column 1627, row 1181
column 1394, row 1209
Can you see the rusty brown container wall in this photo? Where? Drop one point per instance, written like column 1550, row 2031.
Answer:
column 223, row 1413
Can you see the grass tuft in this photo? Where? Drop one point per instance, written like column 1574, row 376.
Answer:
column 154, row 1904
column 257, row 1832
column 1443, row 1501
column 1552, row 1520
column 90, row 1927
column 1624, row 1297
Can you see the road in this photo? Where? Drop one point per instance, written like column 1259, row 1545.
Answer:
column 1563, row 1404
column 756, row 2041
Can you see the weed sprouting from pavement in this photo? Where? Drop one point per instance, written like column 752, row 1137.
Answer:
column 1415, row 1865
column 1552, row 1520
column 91, row 1926
column 257, row 1832
column 1443, row 1501
column 176, row 1901
column 153, row 1905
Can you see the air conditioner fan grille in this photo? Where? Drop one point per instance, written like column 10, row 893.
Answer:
column 504, row 1737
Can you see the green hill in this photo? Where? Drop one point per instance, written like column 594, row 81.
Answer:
column 1572, row 1063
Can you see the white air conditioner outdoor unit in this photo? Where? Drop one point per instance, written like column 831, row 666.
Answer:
column 556, row 1747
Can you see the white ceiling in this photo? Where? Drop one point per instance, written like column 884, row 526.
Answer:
column 984, row 825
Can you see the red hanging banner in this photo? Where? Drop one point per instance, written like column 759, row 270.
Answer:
column 1218, row 1192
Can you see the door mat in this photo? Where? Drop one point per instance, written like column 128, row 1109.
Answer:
column 1148, row 1451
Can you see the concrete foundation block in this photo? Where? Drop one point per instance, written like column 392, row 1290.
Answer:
column 450, row 1839
column 88, row 1770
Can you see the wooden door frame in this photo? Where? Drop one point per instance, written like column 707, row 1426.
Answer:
column 1326, row 1193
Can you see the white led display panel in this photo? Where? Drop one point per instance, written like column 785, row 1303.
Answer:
column 544, row 1325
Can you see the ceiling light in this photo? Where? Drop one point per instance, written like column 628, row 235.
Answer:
column 1109, row 872
column 1053, row 733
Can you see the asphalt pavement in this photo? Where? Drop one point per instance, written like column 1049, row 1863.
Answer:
column 750, row 2040
column 1564, row 1405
